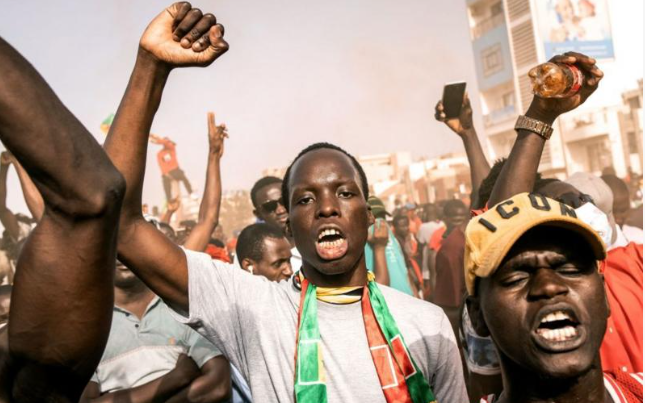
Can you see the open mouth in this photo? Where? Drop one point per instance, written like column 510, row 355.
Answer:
column 331, row 244
column 559, row 331
column 558, row 326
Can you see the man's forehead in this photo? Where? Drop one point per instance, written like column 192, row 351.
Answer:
column 534, row 256
column 277, row 246
column 546, row 244
column 323, row 165
column 270, row 192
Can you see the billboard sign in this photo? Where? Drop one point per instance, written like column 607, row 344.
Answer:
column 575, row 25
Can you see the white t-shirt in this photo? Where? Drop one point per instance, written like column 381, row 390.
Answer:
column 427, row 229
column 296, row 259
column 253, row 322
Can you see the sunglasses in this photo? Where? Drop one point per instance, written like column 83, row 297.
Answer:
column 272, row 205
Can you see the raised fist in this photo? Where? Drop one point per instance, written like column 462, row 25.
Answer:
column 182, row 36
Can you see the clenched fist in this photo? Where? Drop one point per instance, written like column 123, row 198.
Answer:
column 182, row 36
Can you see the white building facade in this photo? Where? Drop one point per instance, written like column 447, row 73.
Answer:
column 509, row 38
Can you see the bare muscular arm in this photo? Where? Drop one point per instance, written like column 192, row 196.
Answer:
column 62, row 295
column 178, row 37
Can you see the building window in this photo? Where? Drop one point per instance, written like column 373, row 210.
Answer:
column 632, row 144
column 492, row 59
column 634, row 103
column 598, row 155
column 496, row 8
column 507, row 100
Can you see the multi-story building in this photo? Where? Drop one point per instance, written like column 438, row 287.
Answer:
column 396, row 178
column 509, row 37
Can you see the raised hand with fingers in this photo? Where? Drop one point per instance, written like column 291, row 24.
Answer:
column 216, row 135
column 183, row 36
column 548, row 109
column 379, row 235
column 173, row 205
column 461, row 125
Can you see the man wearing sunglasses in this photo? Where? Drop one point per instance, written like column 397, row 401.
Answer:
column 266, row 196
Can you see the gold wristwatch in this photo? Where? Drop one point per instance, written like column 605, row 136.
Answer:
column 534, row 125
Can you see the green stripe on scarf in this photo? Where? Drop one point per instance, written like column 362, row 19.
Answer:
column 310, row 384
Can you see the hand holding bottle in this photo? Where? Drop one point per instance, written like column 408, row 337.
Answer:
column 562, row 88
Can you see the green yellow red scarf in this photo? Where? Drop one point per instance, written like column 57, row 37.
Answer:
column 401, row 379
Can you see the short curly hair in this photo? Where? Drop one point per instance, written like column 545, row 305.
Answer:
column 319, row 146
column 262, row 182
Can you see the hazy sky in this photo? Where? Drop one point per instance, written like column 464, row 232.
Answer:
column 364, row 74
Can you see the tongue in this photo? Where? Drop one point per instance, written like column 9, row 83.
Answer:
column 332, row 250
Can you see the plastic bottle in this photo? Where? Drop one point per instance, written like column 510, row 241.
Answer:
column 556, row 80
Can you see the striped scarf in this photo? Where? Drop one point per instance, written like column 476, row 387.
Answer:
column 401, row 379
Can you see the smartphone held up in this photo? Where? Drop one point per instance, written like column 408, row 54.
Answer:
column 453, row 98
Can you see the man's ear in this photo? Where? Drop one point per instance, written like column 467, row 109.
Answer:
column 477, row 316
column 255, row 213
column 602, row 276
column 247, row 264
column 287, row 229
column 370, row 216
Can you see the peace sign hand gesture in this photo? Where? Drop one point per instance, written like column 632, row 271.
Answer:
column 216, row 135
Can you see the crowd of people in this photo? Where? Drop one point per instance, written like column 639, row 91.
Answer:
column 530, row 291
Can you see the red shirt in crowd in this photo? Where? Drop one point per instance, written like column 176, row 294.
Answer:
column 167, row 157
column 217, row 253
column 436, row 239
column 450, row 283
column 415, row 222
column 622, row 346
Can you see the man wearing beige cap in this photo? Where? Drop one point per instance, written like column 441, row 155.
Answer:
column 531, row 270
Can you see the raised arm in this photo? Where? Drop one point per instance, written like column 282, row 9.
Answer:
column 378, row 238
column 34, row 200
column 154, row 139
column 212, row 198
column 463, row 127
column 181, row 36
column 7, row 218
column 171, row 208
column 62, row 298
column 518, row 173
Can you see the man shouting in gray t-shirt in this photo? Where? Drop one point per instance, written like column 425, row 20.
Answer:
column 329, row 333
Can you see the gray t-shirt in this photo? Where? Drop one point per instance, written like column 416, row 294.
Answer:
column 253, row 322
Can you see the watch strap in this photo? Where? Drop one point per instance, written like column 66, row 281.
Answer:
column 533, row 125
